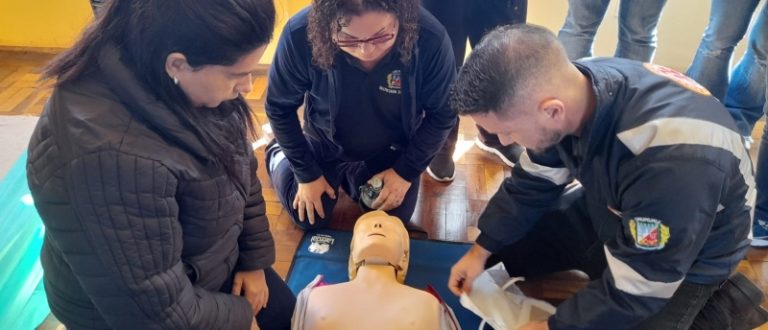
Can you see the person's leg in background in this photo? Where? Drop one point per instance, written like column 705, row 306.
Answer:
column 470, row 18
column 450, row 13
column 747, row 92
column 96, row 6
column 581, row 24
column 637, row 29
column 482, row 17
column 728, row 22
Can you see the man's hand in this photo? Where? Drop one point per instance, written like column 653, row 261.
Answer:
column 393, row 192
column 464, row 272
column 253, row 285
column 308, row 198
column 535, row 325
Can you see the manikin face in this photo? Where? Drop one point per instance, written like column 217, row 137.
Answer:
column 379, row 238
column 524, row 129
column 368, row 37
column 210, row 85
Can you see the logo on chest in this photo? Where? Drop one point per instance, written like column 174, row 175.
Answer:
column 394, row 83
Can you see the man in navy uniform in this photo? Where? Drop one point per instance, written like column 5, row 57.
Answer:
column 658, row 217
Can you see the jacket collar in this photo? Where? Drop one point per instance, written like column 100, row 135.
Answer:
column 606, row 84
column 146, row 106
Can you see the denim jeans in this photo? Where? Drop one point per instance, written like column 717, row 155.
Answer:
column 746, row 94
column 96, row 5
column 637, row 27
column 746, row 100
column 728, row 22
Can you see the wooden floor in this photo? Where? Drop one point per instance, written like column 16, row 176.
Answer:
column 446, row 211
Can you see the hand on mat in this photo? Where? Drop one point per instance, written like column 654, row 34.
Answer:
column 309, row 199
column 393, row 192
column 253, row 285
column 464, row 272
column 535, row 325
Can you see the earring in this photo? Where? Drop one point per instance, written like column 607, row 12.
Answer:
column 175, row 80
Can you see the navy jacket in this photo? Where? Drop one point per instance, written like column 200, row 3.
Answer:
column 293, row 80
column 663, row 158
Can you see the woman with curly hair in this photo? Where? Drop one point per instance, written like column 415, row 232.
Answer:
column 374, row 80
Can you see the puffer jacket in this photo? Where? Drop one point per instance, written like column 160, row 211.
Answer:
column 142, row 227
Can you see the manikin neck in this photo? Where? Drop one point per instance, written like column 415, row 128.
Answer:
column 380, row 274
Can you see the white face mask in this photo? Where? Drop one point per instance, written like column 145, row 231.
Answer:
column 500, row 303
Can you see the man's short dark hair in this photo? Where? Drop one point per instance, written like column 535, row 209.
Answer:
column 505, row 64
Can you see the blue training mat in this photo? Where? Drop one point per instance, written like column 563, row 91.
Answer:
column 430, row 263
column 23, row 304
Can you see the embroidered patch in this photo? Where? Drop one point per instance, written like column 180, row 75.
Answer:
column 677, row 77
column 320, row 244
column 649, row 234
column 393, row 79
column 394, row 82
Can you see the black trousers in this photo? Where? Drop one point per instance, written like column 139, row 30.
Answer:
column 279, row 310
column 570, row 237
column 471, row 19
column 347, row 175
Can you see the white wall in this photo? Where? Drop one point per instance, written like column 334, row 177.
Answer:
column 680, row 29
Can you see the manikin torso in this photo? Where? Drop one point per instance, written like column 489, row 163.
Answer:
column 373, row 300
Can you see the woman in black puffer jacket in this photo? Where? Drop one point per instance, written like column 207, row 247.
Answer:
column 142, row 171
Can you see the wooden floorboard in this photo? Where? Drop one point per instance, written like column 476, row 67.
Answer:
column 446, row 211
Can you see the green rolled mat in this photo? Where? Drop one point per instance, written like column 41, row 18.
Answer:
column 23, row 304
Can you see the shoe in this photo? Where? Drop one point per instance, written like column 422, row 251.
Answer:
column 273, row 155
column 442, row 168
column 508, row 154
column 759, row 233
column 415, row 231
column 741, row 298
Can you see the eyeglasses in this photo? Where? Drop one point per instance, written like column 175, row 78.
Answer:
column 353, row 43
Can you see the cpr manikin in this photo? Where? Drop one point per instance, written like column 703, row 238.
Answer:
column 375, row 297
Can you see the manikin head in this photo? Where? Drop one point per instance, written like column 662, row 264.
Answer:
column 379, row 238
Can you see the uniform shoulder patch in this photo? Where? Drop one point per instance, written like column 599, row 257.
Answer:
column 677, row 77
column 649, row 233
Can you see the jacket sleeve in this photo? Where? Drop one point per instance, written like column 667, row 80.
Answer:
column 132, row 271
column 257, row 247
column 535, row 185
column 439, row 68
column 288, row 82
column 667, row 210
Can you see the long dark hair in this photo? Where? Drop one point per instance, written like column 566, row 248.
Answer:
column 207, row 32
column 327, row 16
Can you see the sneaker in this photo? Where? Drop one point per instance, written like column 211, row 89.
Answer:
column 442, row 168
column 273, row 155
column 760, row 233
column 508, row 154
